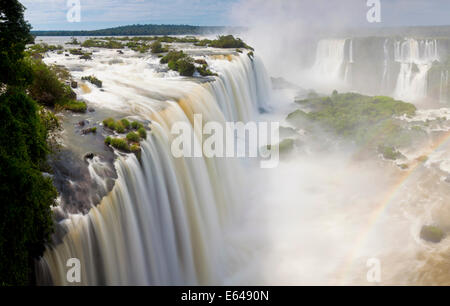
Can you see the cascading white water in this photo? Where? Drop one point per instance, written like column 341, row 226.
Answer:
column 163, row 222
column 330, row 55
column 386, row 71
column 248, row 81
column 416, row 58
column 348, row 77
column 443, row 89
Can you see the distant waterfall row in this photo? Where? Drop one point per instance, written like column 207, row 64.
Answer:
column 163, row 222
column 399, row 68
column 415, row 58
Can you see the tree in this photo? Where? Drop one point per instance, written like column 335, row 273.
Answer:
column 26, row 195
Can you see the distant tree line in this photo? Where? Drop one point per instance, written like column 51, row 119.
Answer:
column 149, row 29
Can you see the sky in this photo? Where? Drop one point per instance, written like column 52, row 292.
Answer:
column 98, row 14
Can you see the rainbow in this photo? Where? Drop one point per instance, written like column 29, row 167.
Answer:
column 383, row 205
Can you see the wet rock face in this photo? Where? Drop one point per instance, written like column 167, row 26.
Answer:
column 431, row 233
column 89, row 155
column 78, row 190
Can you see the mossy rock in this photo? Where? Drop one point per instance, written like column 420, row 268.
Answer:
column 285, row 146
column 390, row 153
column 431, row 233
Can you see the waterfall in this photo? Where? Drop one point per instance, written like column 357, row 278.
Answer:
column 164, row 221
column 386, row 71
column 443, row 90
column 330, row 55
column 348, row 77
column 415, row 58
column 242, row 89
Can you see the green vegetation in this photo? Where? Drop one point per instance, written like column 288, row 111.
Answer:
column 42, row 48
column 204, row 71
column 431, row 233
column 76, row 106
column 124, row 144
column 98, row 43
column 148, row 29
column 179, row 61
column 119, row 127
column 76, row 51
column 365, row 120
column 26, row 195
column 47, row 89
column 123, row 125
column 184, row 64
column 133, row 136
column 86, row 57
column 142, row 133
column 173, row 56
column 129, row 144
column 157, row 47
column 389, row 152
column 92, row 79
column 126, row 124
column 229, row 41
column 109, row 123
column 136, row 125
column 138, row 47
column 120, row 144
column 203, row 43
column 285, row 146
column 90, row 130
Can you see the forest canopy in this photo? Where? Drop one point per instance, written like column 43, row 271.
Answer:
column 149, row 29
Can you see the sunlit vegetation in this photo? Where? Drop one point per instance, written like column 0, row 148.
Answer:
column 83, row 54
column 142, row 133
column 135, row 133
column 86, row 57
column 123, row 125
column 133, row 136
column 109, row 44
column 157, row 47
column 76, row 106
column 40, row 49
column 185, row 65
column 179, row 61
column 204, row 71
column 93, row 80
column 136, row 125
column 365, row 120
column 203, row 43
column 124, row 144
column 47, row 88
column 229, row 41
column 137, row 46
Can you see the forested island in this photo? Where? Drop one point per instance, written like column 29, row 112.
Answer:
column 148, row 29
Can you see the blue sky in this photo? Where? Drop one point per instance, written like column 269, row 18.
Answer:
column 96, row 14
